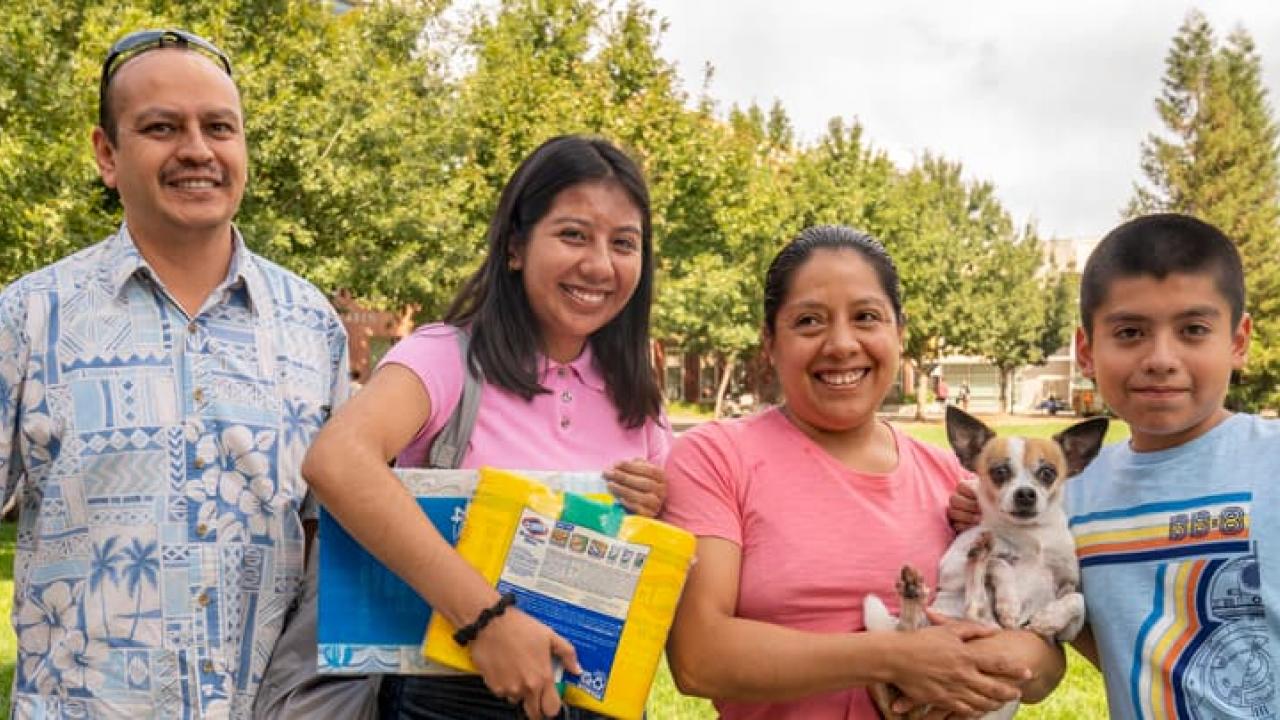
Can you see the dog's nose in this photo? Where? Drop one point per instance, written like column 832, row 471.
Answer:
column 1024, row 498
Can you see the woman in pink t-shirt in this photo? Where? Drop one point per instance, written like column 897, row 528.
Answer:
column 558, row 318
column 803, row 509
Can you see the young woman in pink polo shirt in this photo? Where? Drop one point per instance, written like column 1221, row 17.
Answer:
column 558, row 319
column 803, row 509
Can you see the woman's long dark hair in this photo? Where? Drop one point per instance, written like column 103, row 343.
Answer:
column 505, row 339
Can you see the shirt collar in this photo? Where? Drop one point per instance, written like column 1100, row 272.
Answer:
column 123, row 262
column 583, row 367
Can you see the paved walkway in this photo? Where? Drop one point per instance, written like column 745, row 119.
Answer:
column 906, row 414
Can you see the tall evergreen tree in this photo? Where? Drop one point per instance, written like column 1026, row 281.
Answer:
column 1218, row 161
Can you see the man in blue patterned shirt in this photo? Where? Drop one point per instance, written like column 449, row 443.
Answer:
column 157, row 392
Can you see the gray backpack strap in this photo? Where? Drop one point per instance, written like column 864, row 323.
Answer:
column 450, row 444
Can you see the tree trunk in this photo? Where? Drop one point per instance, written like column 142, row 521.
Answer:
column 726, row 374
column 922, row 389
column 1004, row 390
column 692, row 377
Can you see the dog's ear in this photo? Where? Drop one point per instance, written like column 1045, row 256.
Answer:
column 1081, row 442
column 967, row 436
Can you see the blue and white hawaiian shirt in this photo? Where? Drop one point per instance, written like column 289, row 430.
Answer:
column 157, row 458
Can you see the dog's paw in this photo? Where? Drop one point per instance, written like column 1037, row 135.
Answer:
column 1071, row 629
column 1061, row 619
column 977, row 609
column 911, row 585
column 1007, row 613
column 981, row 546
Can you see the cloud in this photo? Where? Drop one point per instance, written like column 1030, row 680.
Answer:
column 1049, row 102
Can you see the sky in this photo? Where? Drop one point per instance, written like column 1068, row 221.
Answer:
column 1050, row 102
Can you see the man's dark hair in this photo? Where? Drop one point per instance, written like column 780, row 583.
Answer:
column 139, row 43
column 505, row 338
column 1158, row 246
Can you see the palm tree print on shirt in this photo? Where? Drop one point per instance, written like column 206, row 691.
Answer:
column 142, row 566
column 105, row 563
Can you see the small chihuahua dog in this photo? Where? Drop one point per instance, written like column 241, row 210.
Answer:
column 1017, row 568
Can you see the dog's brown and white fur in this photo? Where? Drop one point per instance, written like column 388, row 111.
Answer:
column 1018, row 568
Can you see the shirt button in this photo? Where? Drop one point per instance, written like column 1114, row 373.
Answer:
column 560, row 372
column 202, row 599
column 207, row 666
column 199, row 395
column 564, row 422
column 202, row 529
column 566, row 396
column 192, row 327
column 200, row 463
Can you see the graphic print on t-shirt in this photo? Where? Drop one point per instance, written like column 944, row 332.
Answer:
column 1202, row 652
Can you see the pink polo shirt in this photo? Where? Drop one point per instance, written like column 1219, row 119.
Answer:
column 816, row 536
column 574, row 427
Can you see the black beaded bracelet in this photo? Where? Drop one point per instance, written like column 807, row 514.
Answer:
column 466, row 634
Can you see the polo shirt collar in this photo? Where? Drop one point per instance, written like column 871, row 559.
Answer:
column 583, row 367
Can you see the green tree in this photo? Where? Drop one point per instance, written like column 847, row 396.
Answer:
column 843, row 180
column 380, row 138
column 942, row 231
column 1027, row 313
column 51, row 202
column 728, row 217
column 350, row 143
column 343, row 120
column 1217, row 159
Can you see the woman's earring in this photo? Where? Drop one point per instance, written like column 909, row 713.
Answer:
column 513, row 264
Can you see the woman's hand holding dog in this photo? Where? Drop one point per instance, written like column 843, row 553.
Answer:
column 962, row 509
column 938, row 666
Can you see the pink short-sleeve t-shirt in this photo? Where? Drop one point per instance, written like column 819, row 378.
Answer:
column 574, row 427
column 815, row 535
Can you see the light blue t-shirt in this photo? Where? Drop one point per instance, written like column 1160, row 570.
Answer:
column 1180, row 565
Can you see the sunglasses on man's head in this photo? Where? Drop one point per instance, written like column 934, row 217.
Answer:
column 137, row 43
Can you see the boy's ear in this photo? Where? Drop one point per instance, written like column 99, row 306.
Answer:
column 1081, row 442
column 967, row 435
column 1240, row 342
column 1084, row 352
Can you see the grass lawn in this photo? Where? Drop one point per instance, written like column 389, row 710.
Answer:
column 1079, row 696
column 8, row 644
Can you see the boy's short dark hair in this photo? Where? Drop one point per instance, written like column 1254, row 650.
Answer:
column 1157, row 246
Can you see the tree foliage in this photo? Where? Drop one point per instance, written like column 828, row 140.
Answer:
column 380, row 138
column 958, row 255
column 1026, row 312
column 1217, row 160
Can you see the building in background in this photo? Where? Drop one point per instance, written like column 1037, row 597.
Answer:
column 370, row 333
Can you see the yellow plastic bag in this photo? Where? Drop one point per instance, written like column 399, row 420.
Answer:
column 613, row 597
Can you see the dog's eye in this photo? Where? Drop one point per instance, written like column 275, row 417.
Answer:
column 999, row 474
column 1047, row 474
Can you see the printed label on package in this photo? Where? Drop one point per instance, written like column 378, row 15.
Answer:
column 371, row 621
column 580, row 583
